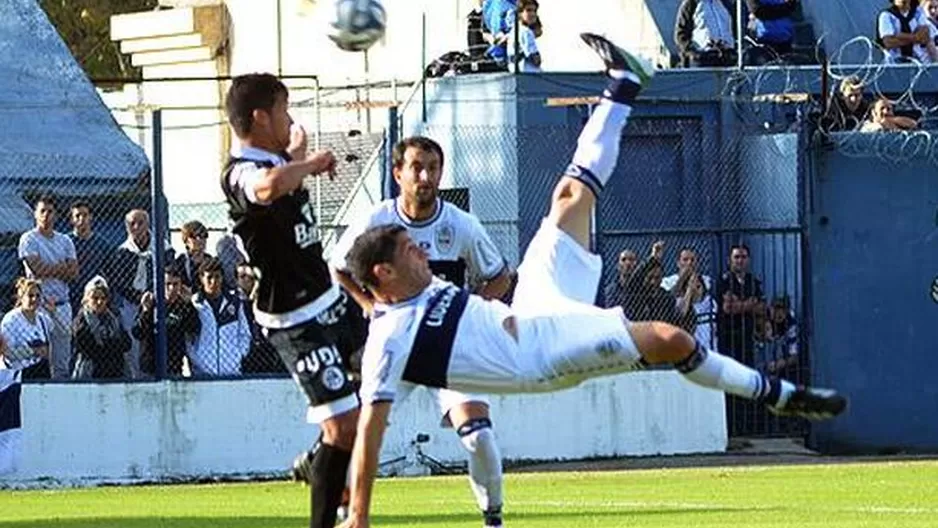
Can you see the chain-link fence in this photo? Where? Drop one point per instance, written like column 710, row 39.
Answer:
column 94, row 316
column 694, row 184
column 700, row 225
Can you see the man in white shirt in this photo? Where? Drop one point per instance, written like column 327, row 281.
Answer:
column 460, row 251
column 49, row 256
column 694, row 291
column 426, row 331
column 904, row 32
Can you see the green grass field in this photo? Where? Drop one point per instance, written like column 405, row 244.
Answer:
column 899, row 494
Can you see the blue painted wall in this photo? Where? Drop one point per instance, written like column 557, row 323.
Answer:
column 873, row 236
column 694, row 171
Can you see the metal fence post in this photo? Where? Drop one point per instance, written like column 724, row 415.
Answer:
column 158, row 241
column 389, row 188
column 740, row 36
column 423, row 67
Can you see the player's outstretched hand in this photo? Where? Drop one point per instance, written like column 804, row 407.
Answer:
column 323, row 162
column 299, row 143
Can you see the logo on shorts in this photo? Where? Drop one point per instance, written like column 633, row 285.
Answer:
column 444, row 238
column 333, row 378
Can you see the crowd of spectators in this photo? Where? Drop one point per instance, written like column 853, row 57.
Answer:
column 730, row 314
column 87, row 307
column 501, row 36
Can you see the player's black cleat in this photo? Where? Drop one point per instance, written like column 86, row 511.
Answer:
column 813, row 404
column 302, row 465
column 492, row 518
column 617, row 58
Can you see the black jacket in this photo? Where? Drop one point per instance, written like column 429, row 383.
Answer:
column 684, row 25
column 182, row 325
column 107, row 357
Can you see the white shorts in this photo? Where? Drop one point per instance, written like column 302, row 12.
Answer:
column 555, row 270
column 446, row 399
column 569, row 339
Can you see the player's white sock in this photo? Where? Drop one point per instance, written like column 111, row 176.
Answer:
column 714, row 370
column 485, row 462
column 598, row 146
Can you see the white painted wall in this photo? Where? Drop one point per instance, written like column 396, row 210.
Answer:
column 83, row 434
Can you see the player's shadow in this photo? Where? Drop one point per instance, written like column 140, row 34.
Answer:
column 378, row 520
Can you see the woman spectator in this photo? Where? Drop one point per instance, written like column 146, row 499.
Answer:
column 26, row 329
column 883, row 119
column 100, row 341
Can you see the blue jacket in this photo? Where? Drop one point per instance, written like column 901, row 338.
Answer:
column 495, row 19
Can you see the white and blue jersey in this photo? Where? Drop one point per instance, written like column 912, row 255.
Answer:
column 458, row 247
column 447, row 338
column 443, row 337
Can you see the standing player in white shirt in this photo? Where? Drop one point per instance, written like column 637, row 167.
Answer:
column 426, row 331
column 461, row 252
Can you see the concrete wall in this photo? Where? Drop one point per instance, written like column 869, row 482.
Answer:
column 873, row 236
column 83, row 434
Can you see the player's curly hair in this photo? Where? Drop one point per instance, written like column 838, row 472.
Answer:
column 254, row 91
column 374, row 246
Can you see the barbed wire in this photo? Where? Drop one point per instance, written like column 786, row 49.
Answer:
column 755, row 92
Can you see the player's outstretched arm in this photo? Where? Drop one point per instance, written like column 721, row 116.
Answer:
column 282, row 180
column 497, row 287
column 360, row 296
column 371, row 425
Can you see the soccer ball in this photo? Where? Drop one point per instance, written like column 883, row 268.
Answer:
column 358, row 24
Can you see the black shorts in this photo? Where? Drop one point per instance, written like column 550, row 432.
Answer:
column 318, row 355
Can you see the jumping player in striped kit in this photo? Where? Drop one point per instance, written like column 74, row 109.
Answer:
column 427, row 331
column 459, row 251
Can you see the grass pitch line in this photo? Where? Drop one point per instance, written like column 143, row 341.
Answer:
column 701, row 506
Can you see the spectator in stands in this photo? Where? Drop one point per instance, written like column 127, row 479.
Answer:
column 904, row 32
column 100, row 340
column 498, row 17
column 229, row 252
column 883, row 119
column 49, row 256
column 847, row 109
column 615, row 290
column 27, row 330
column 91, row 250
column 247, row 281
column 529, row 60
column 692, row 292
column 194, row 236
column 704, row 35
column 131, row 275
column 740, row 298
column 772, row 27
column 182, row 325
column 476, row 42
column 781, row 340
column 930, row 7
column 646, row 300
column 225, row 337
column 263, row 357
